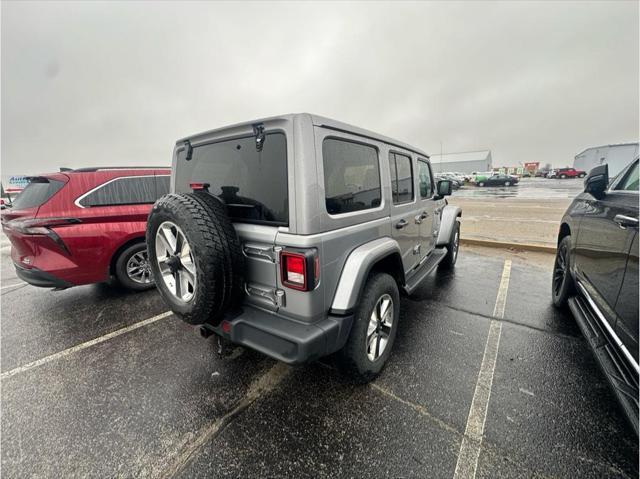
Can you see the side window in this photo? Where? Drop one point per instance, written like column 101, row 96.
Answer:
column 351, row 176
column 630, row 182
column 424, row 180
column 123, row 191
column 162, row 186
column 401, row 178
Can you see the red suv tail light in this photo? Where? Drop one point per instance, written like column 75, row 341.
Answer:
column 38, row 226
column 299, row 270
column 41, row 227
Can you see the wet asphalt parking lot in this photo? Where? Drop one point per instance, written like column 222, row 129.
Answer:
column 486, row 378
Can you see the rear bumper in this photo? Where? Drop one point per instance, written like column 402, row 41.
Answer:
column 284, row 339
column 39, row 278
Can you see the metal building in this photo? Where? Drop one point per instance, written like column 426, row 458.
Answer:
column 464, row 162
column 616, row 156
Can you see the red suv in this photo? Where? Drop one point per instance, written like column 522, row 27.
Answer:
column 568, row 173
column 84, row 226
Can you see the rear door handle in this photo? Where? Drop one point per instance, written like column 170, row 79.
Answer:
column 625, row 221
column 401, row 224
column 424, row 215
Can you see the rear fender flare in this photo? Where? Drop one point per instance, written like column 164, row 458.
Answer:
column 356, row 270
column 450, row 215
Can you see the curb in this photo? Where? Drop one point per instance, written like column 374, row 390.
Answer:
column 509, row 245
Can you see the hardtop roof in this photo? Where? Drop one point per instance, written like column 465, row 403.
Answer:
column 316, row 120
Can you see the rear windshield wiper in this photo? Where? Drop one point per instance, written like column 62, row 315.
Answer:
column 258, row 132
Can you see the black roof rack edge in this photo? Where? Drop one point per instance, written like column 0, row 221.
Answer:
column 98, row 168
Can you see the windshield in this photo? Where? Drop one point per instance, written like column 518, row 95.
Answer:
column 36, row 193
column 252, row 183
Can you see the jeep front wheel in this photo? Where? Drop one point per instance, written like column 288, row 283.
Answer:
column 373, row 331
column 453, row 246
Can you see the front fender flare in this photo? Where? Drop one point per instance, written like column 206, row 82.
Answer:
column 450, row 215
column 357, row 268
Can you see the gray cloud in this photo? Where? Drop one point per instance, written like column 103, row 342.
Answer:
column 116, row 83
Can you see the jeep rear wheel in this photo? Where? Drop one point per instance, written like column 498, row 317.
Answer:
column 195, row 256
column 373, row 331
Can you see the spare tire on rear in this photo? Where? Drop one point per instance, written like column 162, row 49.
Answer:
column 196, row 256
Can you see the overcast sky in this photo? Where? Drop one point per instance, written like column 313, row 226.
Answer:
column 117, row 83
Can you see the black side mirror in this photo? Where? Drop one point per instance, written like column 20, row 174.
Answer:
column 597, row 180
column 444, row 188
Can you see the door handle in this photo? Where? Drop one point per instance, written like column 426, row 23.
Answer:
column 424, row 215
column 418, row 219
column 625, row 221
column 401, row 224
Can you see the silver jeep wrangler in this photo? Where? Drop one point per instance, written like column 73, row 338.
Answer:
column 295, row 235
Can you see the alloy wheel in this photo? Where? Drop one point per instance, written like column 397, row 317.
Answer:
column 379, row 328
column 138, row 269
column 456, row 244
column 560, row 269
column 175, row 260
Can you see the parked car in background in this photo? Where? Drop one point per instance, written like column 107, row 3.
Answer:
column 459, row 177
column 541, row 173
column 480, row 175
column 498, row 180
column 84, row 226
column 564, row 173
column 455, row 183
column 596, row 274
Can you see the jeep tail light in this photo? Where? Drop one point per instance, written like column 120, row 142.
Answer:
column 199, row 186
column 299, row 270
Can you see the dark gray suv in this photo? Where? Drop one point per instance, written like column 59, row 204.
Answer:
column 295, row 236
column 596, row 275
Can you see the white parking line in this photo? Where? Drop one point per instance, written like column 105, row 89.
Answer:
column 80, row 347
column 473, row 433
column 12, row 285
column 259, row 387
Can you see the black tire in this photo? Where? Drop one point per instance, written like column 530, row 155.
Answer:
column 134, row 282
column 481, row 183
column 563, row 177
column 562, row 284
column 353, row 359
column 582, row 175
column 453, row 246
column 507, row 183
column 215, row 253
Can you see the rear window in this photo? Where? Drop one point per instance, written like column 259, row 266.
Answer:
column 128, row 190
column 401, row 178
column 351, row 176
column 253, row 184
column 162, row 185
column 37, row 192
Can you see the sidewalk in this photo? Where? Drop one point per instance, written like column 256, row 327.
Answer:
column 511, row 220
